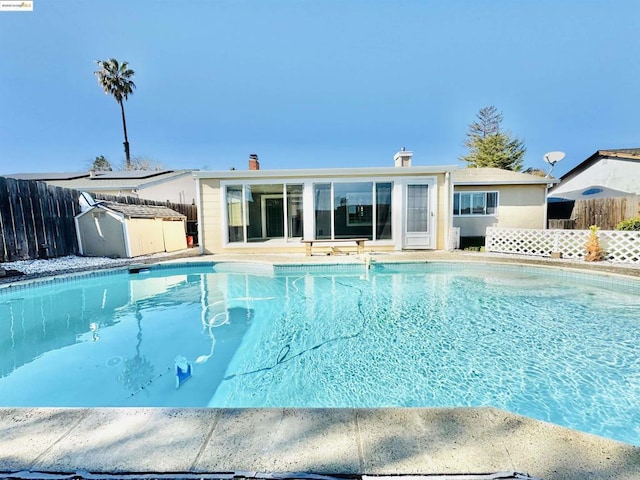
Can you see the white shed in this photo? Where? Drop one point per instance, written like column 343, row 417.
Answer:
column 109, row 229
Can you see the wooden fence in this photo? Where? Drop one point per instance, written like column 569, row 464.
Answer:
column 37, row 220
column 606, row 213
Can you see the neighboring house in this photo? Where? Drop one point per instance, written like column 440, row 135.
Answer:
column 606, row 173
column 273, row 210
column 492, row 197
column 176, row 186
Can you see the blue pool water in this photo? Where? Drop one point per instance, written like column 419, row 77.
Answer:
column 554, row 346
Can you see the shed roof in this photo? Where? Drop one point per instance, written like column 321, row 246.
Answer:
column 141, row 211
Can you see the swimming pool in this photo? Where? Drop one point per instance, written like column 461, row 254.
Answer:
column 553, row 345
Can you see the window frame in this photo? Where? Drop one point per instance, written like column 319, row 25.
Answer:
column 471, row 193
column 245, row 190
column 371, row 222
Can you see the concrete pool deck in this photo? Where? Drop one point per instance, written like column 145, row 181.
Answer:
column 398, row 441
column 394, row 441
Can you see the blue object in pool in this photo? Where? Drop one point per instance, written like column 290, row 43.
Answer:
column 183, row 370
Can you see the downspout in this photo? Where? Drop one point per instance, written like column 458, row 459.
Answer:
column 545, row 225
column 199, row 204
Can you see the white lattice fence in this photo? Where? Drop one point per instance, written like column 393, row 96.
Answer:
column 619, row 246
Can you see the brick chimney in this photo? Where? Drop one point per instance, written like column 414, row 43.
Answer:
column 402, row 158
column 254, row 164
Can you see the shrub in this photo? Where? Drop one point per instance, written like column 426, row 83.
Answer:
column 593, row 250
column 632, row 224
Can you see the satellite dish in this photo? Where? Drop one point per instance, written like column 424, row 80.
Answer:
column 552, row 157
column 86, row 202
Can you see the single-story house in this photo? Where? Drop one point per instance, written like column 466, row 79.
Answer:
column 605, row 174
column 396, row 208
column 110, row 229
column 393, row 208
column 492, row 197
column 176, row 186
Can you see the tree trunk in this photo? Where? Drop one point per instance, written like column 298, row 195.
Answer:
column 126, row 139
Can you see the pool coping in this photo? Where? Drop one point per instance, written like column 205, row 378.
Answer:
column 385, row 441
column 299, row 442
column 630, row 275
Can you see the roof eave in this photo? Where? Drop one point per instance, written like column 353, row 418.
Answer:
column 325, row 172
column 469, row 183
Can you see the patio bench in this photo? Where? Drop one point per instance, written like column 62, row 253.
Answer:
column 358, row 241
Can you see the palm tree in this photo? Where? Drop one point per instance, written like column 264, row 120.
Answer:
column 116, row 80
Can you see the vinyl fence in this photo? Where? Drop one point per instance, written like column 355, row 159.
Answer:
column 36, row 220
column 619, row 246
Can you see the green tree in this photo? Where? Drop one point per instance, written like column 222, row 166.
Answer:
column 489, row 146
column 101, row 164
column 116, row 80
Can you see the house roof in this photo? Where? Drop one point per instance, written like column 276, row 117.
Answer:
column 43, row 177
column 497, row 176
column 632, row 154
column 120, row 180
column 325, row 172
column 592, row 178
column 622, row 152
column 141, row 211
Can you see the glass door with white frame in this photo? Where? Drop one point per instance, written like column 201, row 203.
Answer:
column 418, row 231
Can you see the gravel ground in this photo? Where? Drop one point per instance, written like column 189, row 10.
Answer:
column 28, row 269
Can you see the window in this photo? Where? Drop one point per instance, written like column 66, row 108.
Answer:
column 417, row 208
column 261, row 212
column 294, row 210
column 352, row 210
column 383, row 211
column 322, row 202
column 475, row 203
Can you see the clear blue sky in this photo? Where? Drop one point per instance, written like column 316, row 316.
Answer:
column 316, row 83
